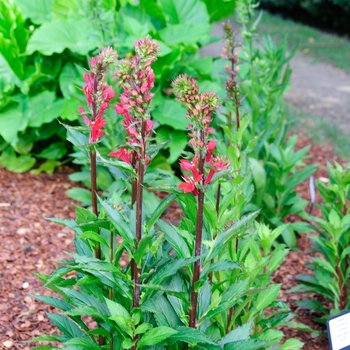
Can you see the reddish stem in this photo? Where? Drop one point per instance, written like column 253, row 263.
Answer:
column 138, row 187
column 198, row 244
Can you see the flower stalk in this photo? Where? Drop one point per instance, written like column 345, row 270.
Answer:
column 136, row 77
column 203, row 165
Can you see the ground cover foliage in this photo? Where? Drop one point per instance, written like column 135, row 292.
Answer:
column 46, row 44
column 206, row 282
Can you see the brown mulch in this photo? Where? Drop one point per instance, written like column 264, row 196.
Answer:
column 30, row 243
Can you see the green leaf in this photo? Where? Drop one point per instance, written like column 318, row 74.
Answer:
column 143, row 248
column 186, row 33
column 55, row 151
column 239, row 333
column 292, row 344
column 58, row 303
column 219, row 9
column 65, row 325
column 12, row 120
column 184, row 11
column 83, row 343
column 160, row 210
column 93, row 236
column 118, row 222
column 80, row 194
column 155, row 336
column 116, row 309
column 174, row 239
column 239, row 225
column 248, row 344
column 44, row 108
column 170, row 269
column 47, row 167
column 39, row 11
column 76, row 35
column 171, row 113
column 16, row 164
column 267, row 296
column 190, row 335
column 176, row 141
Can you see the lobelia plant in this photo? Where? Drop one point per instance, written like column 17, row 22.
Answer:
column 331, row 270
column 155, row 285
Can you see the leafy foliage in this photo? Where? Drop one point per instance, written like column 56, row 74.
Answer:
column 331, row 270
column 44, row 48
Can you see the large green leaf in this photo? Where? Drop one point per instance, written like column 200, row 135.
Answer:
column 171, row 113
column 39, row 11
column 219, row 9
column 13, row 36
column 11, row 121
column 186, row 33
column 44, row 108
column 79, row 36
column 184, row 11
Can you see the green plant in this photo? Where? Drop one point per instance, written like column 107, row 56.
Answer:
column 259, row 130
column 190, row 285
column 330, row 276
column 45, row 46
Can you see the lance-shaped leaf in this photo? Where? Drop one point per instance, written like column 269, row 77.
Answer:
column 155, row 336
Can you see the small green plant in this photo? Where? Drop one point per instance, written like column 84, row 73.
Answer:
column 331, row 268
column 192, row 285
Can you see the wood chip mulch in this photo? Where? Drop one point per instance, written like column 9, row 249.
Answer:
column 29, row 243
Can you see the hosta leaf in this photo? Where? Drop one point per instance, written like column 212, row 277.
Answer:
column 12, row 120
column 54, row 37
column 39, row 11
column 44, row 108
column 80, row 194
column 171, row 113
column 184, row 11
column 219, row 9
column 155, row 336
column 184, row 34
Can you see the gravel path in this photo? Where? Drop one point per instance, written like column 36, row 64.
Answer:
column 319, row 90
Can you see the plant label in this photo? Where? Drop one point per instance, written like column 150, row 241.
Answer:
column 338, row 328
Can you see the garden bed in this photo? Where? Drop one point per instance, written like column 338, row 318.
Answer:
column 30, row 243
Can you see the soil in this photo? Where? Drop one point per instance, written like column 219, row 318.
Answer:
column 29, row 243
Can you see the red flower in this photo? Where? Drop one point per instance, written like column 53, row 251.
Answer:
column 210, row 148
column 189, row 166
column 217, row 165
column 124, row 154
column 95, row 126
column 190, row 184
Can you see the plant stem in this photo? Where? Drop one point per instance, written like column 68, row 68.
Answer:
column 198, row 243
column 94, row 196
column 138, row 198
